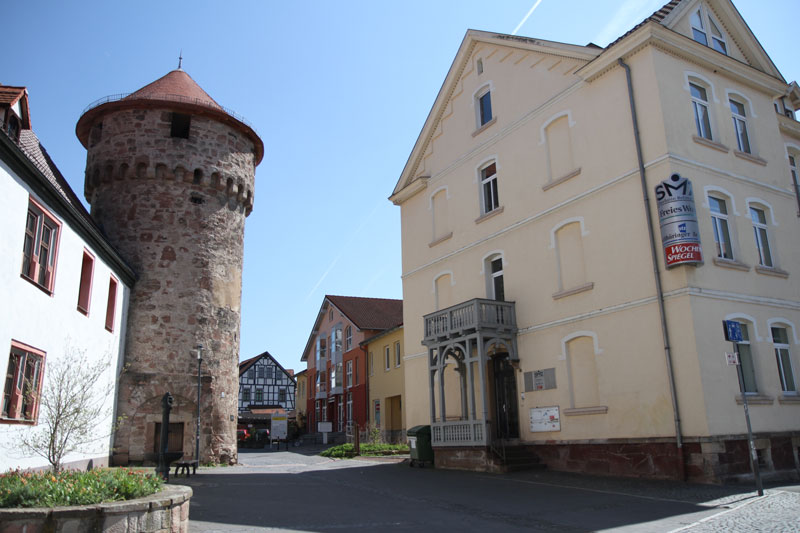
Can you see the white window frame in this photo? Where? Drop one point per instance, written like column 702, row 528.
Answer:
column 766, row 257
column 703, row 129
column 489, row 181
column 491, row 277
column 740, row 126
column 720, row 220
column 349, row 374
column 348, row 338
column 708, row 25
column 480, row 119
column 746, row 342
column 397, row 354
column 793, row 156
column 387, row 355
column 783, row 372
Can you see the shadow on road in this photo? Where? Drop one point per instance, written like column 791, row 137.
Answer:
column 349, row 496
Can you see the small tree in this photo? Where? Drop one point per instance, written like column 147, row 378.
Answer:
column 72, row 403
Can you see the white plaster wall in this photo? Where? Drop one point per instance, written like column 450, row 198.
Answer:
column 50, row 323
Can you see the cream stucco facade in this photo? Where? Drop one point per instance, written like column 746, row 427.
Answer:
column 534, row 193
column 387, row 383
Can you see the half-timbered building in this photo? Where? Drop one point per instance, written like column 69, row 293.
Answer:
column 265, row 384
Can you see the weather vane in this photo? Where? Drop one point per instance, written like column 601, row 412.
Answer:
column 180, row 58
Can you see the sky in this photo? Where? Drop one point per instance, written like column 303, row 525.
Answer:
column 337, row 90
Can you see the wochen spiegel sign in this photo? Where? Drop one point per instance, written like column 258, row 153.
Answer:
column 680, row 235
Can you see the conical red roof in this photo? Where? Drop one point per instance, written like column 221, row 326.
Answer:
column 176, row 83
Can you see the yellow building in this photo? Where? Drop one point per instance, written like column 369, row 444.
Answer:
column 301, row 399
column 552, row 325
column 386, row 382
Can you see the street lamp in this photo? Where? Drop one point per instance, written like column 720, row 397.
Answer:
column 199, row 348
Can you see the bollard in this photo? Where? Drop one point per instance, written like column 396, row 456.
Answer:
column 163, row 464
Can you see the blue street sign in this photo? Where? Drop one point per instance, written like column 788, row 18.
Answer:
column 733, row 330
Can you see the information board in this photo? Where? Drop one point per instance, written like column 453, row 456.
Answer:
column 545, row 419
column 279, row 426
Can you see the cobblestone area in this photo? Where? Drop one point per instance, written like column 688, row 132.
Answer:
column 777, row 511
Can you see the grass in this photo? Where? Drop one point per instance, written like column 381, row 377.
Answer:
column 347, row 450
column 72, row 487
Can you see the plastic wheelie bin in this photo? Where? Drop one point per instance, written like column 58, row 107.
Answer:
column 419, row 443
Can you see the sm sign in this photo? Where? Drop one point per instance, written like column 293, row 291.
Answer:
column 677, row 217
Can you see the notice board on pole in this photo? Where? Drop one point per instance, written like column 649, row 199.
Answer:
column 279, row 426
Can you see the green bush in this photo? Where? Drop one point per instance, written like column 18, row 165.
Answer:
column 347, row 450
column 72, row 487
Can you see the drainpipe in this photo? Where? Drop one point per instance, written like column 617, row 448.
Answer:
column 656, row 273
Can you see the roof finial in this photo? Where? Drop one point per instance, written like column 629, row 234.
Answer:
column 180, row 59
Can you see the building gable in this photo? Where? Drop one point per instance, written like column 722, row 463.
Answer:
column 723, row 28
column 483, row 59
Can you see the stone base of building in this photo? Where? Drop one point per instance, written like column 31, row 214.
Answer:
column 718, row 459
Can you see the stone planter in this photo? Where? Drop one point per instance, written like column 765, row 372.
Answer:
column 166, row 511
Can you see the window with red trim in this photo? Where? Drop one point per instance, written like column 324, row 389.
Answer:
column 40, row 247
column 23, row 384
column 85, row 290
column 111, row 306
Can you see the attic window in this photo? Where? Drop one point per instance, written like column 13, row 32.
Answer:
column 13, row 127
column 701, row 23
column 180, row 125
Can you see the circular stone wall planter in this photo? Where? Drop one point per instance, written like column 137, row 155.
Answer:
column 166, row 511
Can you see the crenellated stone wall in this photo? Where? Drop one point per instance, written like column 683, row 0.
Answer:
column 175, row 208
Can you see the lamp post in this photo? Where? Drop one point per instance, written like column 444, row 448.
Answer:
column 199, row 348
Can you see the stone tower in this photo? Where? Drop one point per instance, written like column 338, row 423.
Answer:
column 170, row 178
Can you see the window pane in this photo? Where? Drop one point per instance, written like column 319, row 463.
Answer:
column 779, row 336
column 486, row 108
column 499, row 288
column 698, row 92
column 717, row 206
column 757, row 216
column 748, row 372
column 785, row 368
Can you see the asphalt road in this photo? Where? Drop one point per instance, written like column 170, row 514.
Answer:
column 290, row 491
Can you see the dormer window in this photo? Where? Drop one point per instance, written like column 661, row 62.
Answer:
column 702, row 23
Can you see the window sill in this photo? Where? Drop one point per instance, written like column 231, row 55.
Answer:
column 35, row 284
column 755, row 399
column 17, row 421
column 440, row 240
column 575, row 290
column 490, row 214
column 482, row 128
column 562, row 179
column 750, row 157
column 772, row 271
column 711, row 144
column 731, row 263
column 789, row 398
column 577, row 411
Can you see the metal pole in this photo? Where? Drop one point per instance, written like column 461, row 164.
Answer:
column 750, row 444
column 197, row 435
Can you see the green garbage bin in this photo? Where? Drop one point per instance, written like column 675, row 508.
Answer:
column 419, row 443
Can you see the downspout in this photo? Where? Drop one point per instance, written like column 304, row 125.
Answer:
column 656, row 273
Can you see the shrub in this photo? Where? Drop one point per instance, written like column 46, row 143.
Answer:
column 347, row 450
column 72, row 487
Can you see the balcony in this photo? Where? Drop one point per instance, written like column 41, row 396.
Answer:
column 470, row 316
column 322, row 392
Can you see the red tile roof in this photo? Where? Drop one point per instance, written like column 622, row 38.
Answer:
column 9, row 95
column 658, row 16
column 176, row 83
column 370, row 313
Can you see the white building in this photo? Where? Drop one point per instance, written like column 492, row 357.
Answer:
column 66, row 289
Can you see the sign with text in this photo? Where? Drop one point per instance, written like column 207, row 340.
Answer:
column 545, row 419
column 733, row 330
column 279, row 426
column 680, row 234
column 324, row 427
column 732, row 358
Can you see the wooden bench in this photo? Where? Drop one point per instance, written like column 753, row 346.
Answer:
column 183, row 466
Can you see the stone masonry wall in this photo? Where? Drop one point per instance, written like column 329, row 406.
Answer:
column 175, row 208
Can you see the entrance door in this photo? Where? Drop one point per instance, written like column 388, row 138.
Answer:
column 505, row 398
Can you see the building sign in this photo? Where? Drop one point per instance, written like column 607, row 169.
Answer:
column 545, row 419
column 680, row 235
column 733, row 330
column 279, row 426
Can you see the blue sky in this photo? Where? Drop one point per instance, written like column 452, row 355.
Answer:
column 338, row 91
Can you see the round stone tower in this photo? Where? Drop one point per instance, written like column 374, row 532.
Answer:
column 170, row 177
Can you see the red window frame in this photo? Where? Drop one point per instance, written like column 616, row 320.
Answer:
column 85, row 287
column 25, row 369
column 42, row 236
column 111, row 306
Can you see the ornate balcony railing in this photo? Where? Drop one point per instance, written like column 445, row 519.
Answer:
column 469, row 316
column 459, row 433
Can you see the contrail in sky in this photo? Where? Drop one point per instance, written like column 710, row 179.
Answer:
column 526, row 17
column 349, row 240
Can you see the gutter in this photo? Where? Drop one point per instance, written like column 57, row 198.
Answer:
column 656, row 272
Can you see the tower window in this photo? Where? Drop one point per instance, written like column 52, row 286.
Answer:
column 180, row 125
